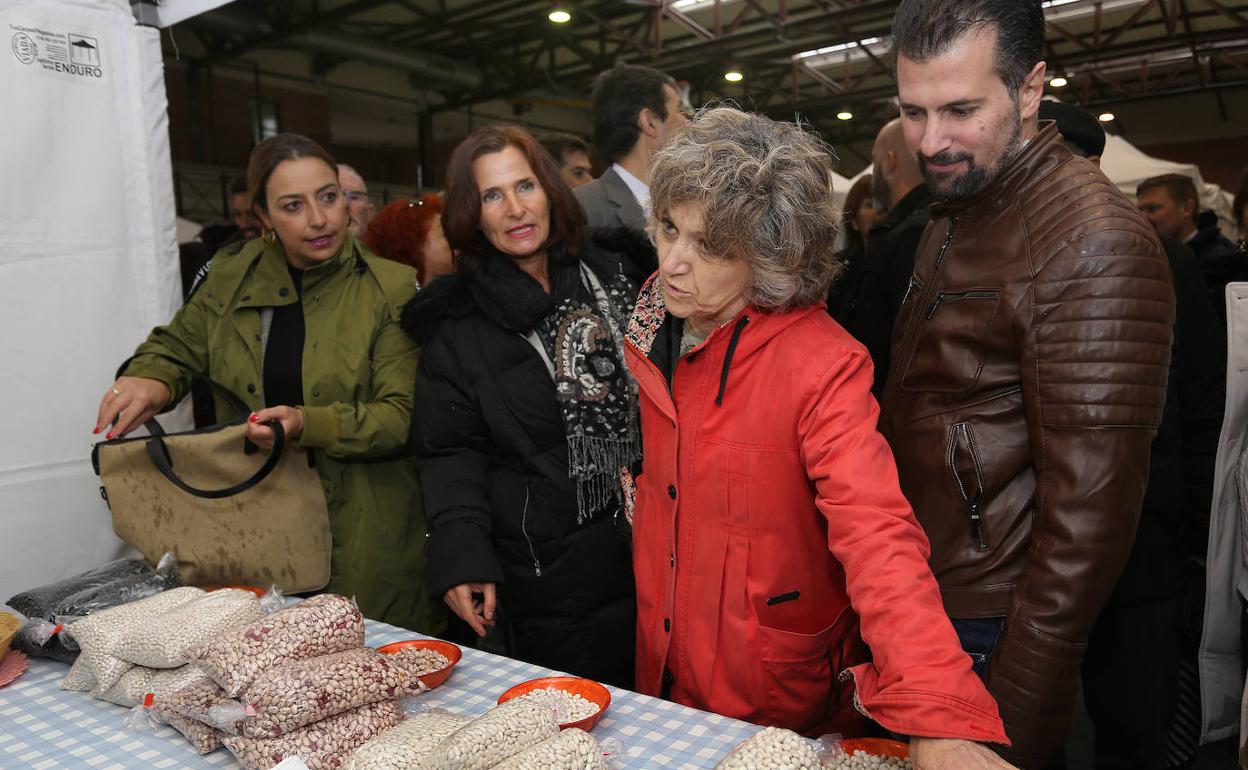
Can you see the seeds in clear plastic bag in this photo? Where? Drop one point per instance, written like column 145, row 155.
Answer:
column 407, row 746
column 96, row 634
column 321, row 745
column 571, row 749
column 306, row 691
column 772, row 749
column 195, row 701
column 130, row 688
column 496, row 735
column 162, row 641
column 322, row 625
column 203, row 738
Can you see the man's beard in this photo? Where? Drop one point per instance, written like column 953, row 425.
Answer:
column 948, row 187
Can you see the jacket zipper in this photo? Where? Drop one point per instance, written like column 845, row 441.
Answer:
column 524, row 528
column 916, row 284
column 972, row 499
column 954, row 296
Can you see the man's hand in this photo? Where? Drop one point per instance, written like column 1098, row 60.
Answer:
column 952, row 754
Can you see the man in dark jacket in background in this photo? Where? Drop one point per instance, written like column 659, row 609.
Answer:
column 1172, row 203
column 1030, row 360
column 1131, row 668
column 898, row 188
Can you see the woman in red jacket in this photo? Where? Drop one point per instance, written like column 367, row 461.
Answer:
column 768, row 503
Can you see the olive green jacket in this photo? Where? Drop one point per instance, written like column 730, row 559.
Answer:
column 359, row 371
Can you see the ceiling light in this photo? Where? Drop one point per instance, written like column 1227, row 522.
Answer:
column 844, row 115
column 560, row 16
column 734, row 75
column 1058, row 82
column 1107, row 117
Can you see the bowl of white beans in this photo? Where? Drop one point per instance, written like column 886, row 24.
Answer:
column 577, row 702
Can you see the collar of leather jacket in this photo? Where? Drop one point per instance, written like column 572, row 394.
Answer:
column 1041, row 155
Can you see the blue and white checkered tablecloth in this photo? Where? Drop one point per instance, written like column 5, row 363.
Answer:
column 44, row 728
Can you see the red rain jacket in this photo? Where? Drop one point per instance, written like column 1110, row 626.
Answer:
column 766, row 505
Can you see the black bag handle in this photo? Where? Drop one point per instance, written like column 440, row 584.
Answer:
column 158, row 453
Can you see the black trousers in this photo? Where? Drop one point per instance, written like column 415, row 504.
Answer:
column 1130, row 684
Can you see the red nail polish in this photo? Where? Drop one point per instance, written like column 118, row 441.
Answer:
column 95, row 431
column 109, row 437
column 252, row 418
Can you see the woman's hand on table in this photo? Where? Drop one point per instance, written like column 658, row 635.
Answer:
column 259, row 432
column 476, row 612
column 130, row 402
column 952, row 754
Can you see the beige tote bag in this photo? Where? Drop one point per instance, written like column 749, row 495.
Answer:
column 233, row 514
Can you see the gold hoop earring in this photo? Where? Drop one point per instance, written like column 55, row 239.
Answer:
column 269, row 237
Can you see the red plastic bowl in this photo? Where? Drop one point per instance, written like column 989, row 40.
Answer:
column 586, row 688
column 451, row 651
column 880, row 747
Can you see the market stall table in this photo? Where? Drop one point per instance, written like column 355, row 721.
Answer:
column 43, row 727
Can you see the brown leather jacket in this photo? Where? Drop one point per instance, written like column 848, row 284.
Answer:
column 1029, row 374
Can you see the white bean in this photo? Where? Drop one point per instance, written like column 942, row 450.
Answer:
column 568, row 707
column 571, row 749
column 772, row 749
column 162, row 641
column 408, row 745
column 496, row 735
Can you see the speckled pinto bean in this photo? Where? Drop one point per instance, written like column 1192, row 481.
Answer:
column 407, row 746
column 498, row 734
column 97, row 634
column 203, row 739
column 772, row 749
column 195, row 701
column 571, row 749
column 307, row 691
column 322, row 625
column 323, row 745
column 162, row 641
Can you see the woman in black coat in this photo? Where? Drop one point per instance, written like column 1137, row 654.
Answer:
column 525, row 412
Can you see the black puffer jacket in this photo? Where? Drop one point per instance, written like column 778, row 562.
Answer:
column 490, row 444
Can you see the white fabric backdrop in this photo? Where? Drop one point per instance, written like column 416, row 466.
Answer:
column 88, row 262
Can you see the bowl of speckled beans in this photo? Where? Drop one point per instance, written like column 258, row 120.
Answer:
column 577, row 702
column 433, row 649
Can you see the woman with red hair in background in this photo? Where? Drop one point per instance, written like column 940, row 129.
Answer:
column 409, row 230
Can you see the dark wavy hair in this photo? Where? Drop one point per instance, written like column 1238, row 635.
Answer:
column 620, row 94
column 271, row 153
column 859, row 193
column 461, row 218
column 925, row 29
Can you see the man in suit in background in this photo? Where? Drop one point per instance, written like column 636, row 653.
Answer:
column 635, row 110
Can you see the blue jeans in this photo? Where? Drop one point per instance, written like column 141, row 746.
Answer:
column 979, row 638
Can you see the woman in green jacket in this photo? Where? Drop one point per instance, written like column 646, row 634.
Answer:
column 302, row 324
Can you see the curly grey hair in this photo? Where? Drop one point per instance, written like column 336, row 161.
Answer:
column 765, row 189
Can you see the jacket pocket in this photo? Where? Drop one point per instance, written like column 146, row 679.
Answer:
column 948, row 353
column 800, row 673
column 968, row 478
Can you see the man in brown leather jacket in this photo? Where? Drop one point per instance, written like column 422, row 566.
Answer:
column 1029, row 360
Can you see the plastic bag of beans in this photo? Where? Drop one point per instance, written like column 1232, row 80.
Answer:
column 322, row 625
column 195, row 701
column 42, row 602
column 161, row 641
column 570, row 749
column 498, row 734
column 773, row 747
column 310, row 690
column 40, row 638
column 322, row 745
column 96, row 668
column 123, row 590
column 407, row 746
